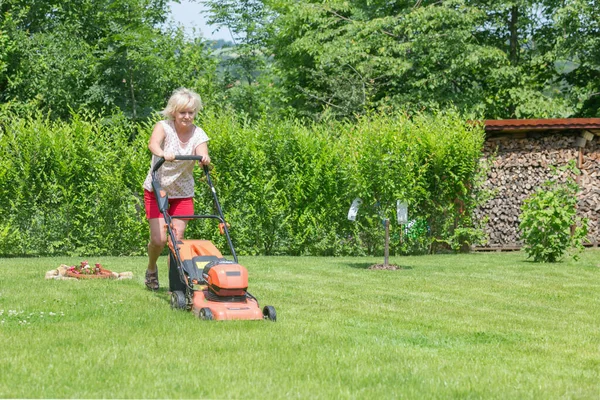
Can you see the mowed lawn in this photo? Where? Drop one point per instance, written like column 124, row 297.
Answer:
column 491, row 326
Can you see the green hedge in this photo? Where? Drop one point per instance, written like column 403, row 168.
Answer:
column 70, row 188
column 75, row 187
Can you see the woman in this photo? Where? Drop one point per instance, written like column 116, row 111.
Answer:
column 177, row 135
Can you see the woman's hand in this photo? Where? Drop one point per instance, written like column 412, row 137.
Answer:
column 169, row 156
column 205, row 159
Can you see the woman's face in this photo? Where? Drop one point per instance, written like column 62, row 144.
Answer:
column 185, row 116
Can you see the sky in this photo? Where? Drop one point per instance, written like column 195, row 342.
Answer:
column 190, row 15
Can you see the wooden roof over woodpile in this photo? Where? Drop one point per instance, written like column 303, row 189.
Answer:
column 530, row 125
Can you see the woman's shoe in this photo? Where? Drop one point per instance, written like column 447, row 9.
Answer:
column 151, row 281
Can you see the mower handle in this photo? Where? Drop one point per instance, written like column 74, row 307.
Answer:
column 199, row 158
column 162, row 198
column 161, row 161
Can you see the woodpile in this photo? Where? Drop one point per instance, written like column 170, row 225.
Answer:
column 519, row 166
column 589, row 197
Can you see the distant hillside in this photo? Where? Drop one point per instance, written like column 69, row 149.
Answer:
column 220, row 43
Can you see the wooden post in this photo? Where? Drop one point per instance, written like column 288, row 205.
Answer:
column 387, row 243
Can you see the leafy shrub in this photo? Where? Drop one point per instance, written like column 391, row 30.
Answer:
column 285, row 185
column 549, row 223
column 70, row 188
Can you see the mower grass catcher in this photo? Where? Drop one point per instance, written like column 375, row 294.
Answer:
column 200, row 278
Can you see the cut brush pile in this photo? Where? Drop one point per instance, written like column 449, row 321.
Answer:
column 85, row 271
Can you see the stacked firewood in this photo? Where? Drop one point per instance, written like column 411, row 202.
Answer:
column 517, row 167
column 589, row 197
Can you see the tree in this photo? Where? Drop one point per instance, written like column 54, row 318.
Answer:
column 493, row 59
column 528, row 85
column 49, row 69
column 102, row 55
column 247, row 76
column 579, row 53
column 247, row 21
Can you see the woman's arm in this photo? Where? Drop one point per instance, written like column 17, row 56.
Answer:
column 155, row 143
column 202, row 150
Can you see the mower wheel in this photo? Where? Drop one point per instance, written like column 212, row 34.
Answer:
column 178, row 300
column 206, row 314
column 269, row 313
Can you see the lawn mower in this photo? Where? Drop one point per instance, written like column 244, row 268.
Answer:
column 200, row 278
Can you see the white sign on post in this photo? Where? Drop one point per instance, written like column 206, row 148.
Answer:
column 354, row 209
column 402, row 212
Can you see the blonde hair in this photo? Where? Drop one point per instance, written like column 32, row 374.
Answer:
column 182, row 98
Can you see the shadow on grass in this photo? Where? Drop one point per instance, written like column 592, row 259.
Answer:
column 162, row 293
column 367, row 265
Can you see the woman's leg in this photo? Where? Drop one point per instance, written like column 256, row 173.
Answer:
column 158, row 234
column 179, row 225
column 158, row 239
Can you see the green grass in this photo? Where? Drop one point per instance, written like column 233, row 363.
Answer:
column 448, row 326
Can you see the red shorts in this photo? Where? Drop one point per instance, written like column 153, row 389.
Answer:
column 184, row 206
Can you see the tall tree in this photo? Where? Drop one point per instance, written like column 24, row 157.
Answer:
column 579, row 53
column 98, row 54
column 525, row 31
column 492, row 58
column 247, row 75
column 247, row 21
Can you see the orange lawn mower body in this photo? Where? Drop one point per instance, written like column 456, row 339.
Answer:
column 200, row 278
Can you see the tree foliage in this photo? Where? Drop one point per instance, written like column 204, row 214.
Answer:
column 579, row 52
column 101, row 55
column 489, row 59
column 493, row 59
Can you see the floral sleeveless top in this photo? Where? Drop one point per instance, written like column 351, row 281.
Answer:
column 176, row 177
